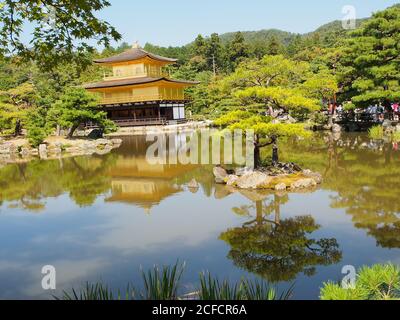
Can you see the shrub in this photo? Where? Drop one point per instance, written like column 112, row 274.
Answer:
column 36, row 125
column 396, row 136
column 319, row 118
column 376, row 132
column 380, row 282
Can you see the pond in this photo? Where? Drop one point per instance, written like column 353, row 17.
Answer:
column 103, row 218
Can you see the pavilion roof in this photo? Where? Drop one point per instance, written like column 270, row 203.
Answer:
column 132, row 55
column 134, row 81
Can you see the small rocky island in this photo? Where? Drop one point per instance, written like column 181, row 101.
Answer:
column 282, row 177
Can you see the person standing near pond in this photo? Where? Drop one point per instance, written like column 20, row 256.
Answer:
column 395, row 108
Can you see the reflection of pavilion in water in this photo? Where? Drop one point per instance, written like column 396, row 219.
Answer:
column 136, row 181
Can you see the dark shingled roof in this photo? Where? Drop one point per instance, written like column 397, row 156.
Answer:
column 133, row 81
column 134, row 54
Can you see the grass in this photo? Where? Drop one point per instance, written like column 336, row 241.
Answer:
column 214, row 290
column 96, row 292
column 163, row 284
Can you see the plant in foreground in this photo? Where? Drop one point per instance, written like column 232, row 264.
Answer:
column 97, row 292
column 163, row 284
column 213, row 289
column 380, row 282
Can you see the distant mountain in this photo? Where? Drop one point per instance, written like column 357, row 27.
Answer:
column 261, row 36
column 331, row 29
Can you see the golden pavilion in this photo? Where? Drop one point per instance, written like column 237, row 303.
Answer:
column 136, row 91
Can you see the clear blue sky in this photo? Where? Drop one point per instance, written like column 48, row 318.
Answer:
column 177, row 22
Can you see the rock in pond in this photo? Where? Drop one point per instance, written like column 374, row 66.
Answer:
column 220, row 175
column 96, row 134
column 242, row 171
column 253, row 180
column 313, row 175
column 281, row 187
column 231, row 180
column 8, row 148
column 43, row 151
column 303, row 184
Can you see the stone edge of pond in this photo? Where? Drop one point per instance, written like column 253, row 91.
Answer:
column 143, row 130
column 19, row 150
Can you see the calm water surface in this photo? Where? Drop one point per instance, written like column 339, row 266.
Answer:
column 102, row 218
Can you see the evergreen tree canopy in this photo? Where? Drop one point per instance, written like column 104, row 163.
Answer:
column 372, row 60
column 78, row 106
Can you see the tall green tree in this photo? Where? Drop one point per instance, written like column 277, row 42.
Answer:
column 372, row 60
column 77, row 106
column 237, row 50
column 199, row 46
column 274, row 46
column 214, row 53
column 15, row 104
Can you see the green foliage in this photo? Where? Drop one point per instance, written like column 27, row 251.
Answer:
column 380, row 282
column 61, row 29
column 376, row 132
column 77, row 106
column 371, row 60
column 214, row 290
column 232, row 118
column 236, row 51
column 9, row 115
column 280, row 98
column 36, row 125
column 319, row 119
column 396, row 136
column 268, row 71
column 379, row 133
column 96, row 292
column 278, row 84
column 163, row 284
column 261, row 125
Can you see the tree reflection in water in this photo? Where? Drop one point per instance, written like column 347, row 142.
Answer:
column 364, row 174
column 29, row 185
column 278, row 249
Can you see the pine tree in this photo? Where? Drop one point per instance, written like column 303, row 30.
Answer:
column 372, row 60
column 237, row 50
